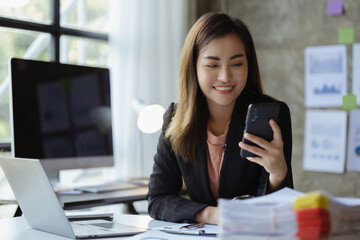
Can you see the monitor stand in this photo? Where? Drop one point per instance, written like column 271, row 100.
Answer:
column 54, row 178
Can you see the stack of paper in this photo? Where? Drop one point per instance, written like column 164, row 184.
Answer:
column 320, row 214
column 313, row 216
column 345, row 215
column 269, row 215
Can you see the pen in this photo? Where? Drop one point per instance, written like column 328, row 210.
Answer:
column 247, row 196
column 193, row 226
column 200, row 232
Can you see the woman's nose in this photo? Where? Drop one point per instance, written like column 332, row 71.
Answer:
column 224, row 75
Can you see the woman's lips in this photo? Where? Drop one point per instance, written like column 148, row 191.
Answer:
column 224, row 89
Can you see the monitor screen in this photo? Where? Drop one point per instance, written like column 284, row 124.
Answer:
column 61, row 114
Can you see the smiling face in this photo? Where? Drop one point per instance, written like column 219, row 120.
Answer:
column 222, row 70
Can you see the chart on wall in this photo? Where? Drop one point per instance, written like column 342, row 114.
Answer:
column 356, row 72
column 353, row 151
column 325, row 141
column 325, row 75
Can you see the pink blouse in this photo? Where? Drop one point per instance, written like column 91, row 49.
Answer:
column 215, row 157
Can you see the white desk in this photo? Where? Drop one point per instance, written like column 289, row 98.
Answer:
column 18, row 229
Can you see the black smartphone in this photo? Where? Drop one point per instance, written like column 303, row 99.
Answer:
column 257, row 123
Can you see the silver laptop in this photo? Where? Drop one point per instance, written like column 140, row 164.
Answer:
column 42, row 209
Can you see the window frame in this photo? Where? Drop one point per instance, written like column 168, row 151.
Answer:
column 55, row 30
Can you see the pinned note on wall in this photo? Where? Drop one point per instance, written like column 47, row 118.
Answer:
column 320, row 63
column 325, row 141
column 353, row 151
column 356, row 71
column 335, row 7
column 346, row 35
column 349, row 102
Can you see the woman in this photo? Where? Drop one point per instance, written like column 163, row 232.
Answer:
column 201, row 138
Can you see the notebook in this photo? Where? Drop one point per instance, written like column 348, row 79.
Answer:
column 42, row 209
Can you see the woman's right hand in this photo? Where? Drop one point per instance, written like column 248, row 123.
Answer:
column 208, row 215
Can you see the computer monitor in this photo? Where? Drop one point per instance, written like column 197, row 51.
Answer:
column 61, row 114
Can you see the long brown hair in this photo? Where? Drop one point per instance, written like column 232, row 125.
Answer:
column 188, row 125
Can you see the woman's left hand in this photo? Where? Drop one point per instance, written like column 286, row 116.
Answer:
column 270, row 155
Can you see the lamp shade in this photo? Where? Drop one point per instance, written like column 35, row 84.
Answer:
column 150, row 117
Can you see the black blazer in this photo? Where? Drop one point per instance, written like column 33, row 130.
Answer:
column 238, row 176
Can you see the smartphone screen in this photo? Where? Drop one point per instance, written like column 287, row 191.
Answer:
column 257, row 123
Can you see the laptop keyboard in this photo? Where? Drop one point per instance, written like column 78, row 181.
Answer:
column 82, row 228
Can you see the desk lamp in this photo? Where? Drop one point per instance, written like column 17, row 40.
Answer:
column 150, row 117
column 149, row 120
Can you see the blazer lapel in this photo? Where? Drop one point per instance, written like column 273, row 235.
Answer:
column 196, row 177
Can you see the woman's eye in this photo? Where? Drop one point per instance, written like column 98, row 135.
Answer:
column 211, row 65
column 236, row 64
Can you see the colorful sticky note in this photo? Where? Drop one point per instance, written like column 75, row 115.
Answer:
column 335, row 7
column 346, row 35
column 311, row 200
column 349, row 102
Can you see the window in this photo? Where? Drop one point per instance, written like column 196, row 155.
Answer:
column 69, row 31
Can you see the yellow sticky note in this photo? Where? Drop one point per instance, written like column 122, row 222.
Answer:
column 349, row 102
column 346, row 35
column 311, row 200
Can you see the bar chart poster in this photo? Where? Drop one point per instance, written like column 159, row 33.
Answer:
column 325, row 141
column 325, row 75
column 356, row 72
column 353, row 151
